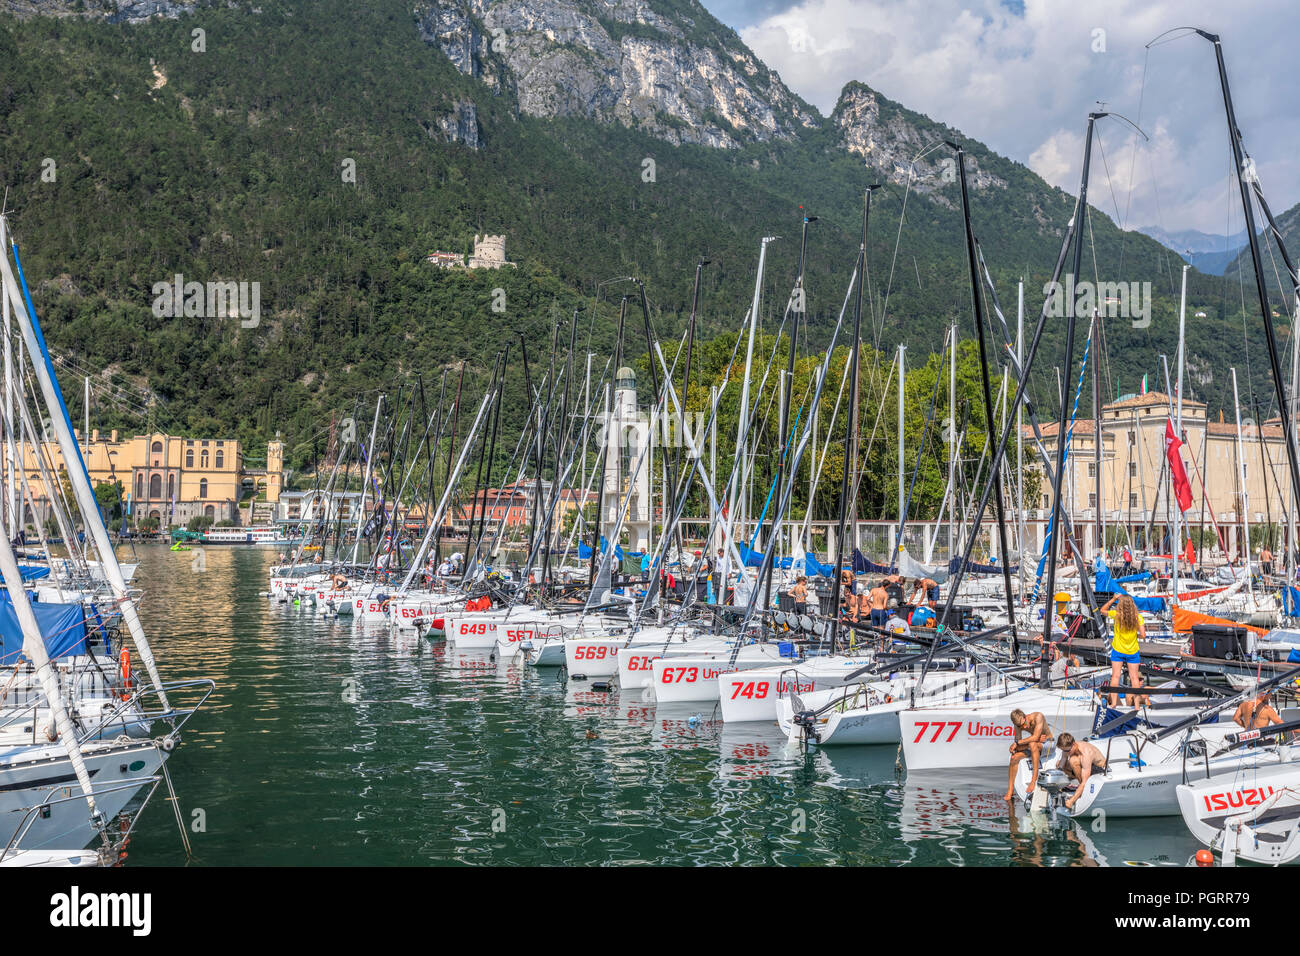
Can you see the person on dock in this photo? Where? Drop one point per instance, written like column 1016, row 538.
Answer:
column 1129, row 628
column 799, row 595
column 1080, row 760
column 1266, row 560
column 1128, row 562
column 877, row 601
column 926, row 592
column 1256, row 712
column 1034, row 727
column 894, row 587
column 848, row 595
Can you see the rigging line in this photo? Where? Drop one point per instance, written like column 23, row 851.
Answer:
column 1160, row 221
column 1110, row 185
column 898, row 237
column 861, row 472
column 1142, row 92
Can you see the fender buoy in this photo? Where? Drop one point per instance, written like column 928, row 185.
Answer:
column 125, row 658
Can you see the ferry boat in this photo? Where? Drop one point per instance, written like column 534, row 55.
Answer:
column 265, row 534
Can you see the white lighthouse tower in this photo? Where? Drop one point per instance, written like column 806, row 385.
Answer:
column 627, row 435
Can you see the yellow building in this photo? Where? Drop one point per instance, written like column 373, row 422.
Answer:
column 161, row 476
column 1135, row 487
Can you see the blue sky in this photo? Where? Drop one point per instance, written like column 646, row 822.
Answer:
column 1022, row 75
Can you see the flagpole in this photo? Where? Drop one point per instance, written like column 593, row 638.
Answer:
column 1178, row 428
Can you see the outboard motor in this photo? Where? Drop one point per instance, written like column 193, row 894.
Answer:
column 806, row 722
column 1047, row 794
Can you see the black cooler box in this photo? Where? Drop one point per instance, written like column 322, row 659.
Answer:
column 1220, row 641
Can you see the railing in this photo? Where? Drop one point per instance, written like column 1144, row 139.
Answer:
column 30, row 816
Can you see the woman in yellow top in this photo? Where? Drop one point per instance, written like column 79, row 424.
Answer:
column 1124, row 648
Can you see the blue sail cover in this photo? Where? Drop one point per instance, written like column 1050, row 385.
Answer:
column 813, row 566
column 862, row 566
column 62, row 625
column 33, row 572
column 1105, row 583
column 755, row 559
column 973, row 568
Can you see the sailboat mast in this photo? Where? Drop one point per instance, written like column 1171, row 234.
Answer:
column 995, row 470
column 1054, row 547
column 1020, row 428
column 851, row 421
column 1096, row 433
column 1245, row 177
column 15, row 518
column 787, row 386
column 902, row 377
column 1178, row 424
column 1241, row 476
column 952, row 441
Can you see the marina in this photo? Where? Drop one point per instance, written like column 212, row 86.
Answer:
column 811, row 486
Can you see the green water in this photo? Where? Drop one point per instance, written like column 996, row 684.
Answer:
column 331, row 743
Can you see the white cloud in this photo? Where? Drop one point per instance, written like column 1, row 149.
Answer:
column 1024, row 83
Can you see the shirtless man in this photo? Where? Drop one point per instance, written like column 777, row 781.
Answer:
column 877, row 600
column 1256, row 713
column 1034, row 726
column 1080, row 760
column 848, row 595
column 925, row 593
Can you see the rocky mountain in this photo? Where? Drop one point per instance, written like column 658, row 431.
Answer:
column 113, row 11
column 670, row 70
column 324, row 148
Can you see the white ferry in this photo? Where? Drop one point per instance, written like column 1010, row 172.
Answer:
column 266, row 534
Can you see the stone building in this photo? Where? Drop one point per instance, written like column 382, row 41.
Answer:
column 1135, row 485
column 489, row 253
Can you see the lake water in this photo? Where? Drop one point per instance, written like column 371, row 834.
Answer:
column 332, row 743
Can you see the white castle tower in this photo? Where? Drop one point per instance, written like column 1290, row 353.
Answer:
column 627, row 435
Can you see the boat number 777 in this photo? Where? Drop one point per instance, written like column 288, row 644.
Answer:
column 938, row 726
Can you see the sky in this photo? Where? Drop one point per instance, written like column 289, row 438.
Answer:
column 1022, row 75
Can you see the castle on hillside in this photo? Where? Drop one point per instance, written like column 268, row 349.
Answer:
column 489, row 253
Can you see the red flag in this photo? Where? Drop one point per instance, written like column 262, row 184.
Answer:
column 1190, row 552
column 1182, row 487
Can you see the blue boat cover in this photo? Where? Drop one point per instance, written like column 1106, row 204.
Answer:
column 1130, row 578
column 1105, row 583
column 861, row 565
column 1291, row 600
column 813, row 566
column 973, row 568
column 33, row 572
column 62, row 625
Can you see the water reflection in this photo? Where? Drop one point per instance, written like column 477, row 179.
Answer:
column 334, row 742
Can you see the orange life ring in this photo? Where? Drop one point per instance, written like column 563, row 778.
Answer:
column 125, row 658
